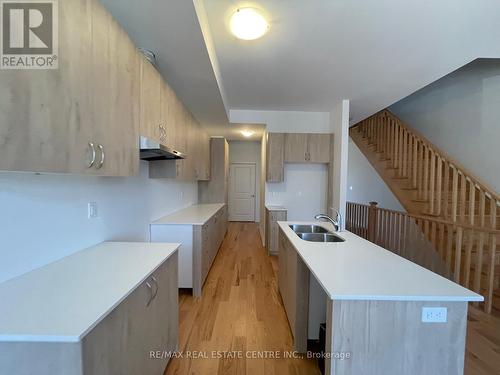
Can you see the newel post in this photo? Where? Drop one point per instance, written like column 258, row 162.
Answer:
column 372, row 221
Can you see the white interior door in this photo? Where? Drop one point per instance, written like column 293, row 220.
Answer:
column 242, row 192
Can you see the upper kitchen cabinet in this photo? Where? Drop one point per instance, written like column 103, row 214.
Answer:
column 116, row 100
column 284, row 148
column 318, row 147
column 296, row 147
column 58, row 118
column 184, row 134
column 203, row 160
column 307, row 148
column 151, row 103
column 216, row 190
column 167, row 128
column 275, row 157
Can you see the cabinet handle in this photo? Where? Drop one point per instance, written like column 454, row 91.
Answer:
column 92, row 161
column 151, row 293
column 156, row 287
column 101, row 163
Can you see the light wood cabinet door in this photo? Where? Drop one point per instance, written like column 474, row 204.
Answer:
column 120, row 344
column 216, row 189
column 273, row 230
column 282, row 270
column 115, row 102
column 151, row 113
column 192, row 150
column 275, row 150
column 90, row 103
column 203, row 154
column 206, row 156
column 296, row 145
column 45, row 115
column 318, row 148
column 167, row 124
column 180, row 118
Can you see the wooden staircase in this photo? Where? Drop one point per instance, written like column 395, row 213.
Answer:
column 458, row 214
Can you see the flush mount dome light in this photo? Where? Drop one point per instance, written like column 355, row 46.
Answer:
column 247, row 133
column 248, row 24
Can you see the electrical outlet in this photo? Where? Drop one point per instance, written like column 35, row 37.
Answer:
column 434, row 314
column 93, row 210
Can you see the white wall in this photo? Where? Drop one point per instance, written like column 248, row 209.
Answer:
column 248, row 152
column 460, row 114
column 303, row 192
column 339, row 123
column 44, row 217
column 284, row 121
column 364, row 183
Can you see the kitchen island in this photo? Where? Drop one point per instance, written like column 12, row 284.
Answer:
column 378, row 319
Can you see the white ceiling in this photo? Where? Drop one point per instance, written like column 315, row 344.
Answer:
column 316, row 52
column 372, row 52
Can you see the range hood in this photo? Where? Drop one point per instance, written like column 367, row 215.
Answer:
column 152, row 150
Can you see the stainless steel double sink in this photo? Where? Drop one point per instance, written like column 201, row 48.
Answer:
column 315, row 233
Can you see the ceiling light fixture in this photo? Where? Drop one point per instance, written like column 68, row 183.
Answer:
column 247, row 133
column 248, row 24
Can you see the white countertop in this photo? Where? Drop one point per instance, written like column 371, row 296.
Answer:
column 197, row 214
column 274, row 207
column 360, row 270
column 64, row 300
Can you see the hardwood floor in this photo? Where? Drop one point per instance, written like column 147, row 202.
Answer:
column 240, row 310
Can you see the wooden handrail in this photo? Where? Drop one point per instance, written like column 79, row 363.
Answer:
column 442, row 187
column 445, row 157
column 467, row 254
column 445, row 222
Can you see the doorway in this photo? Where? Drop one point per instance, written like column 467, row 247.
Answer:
column 242, row 188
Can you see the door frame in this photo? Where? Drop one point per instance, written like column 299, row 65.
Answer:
column 255, row 188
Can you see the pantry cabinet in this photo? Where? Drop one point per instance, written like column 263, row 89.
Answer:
column 54, row 116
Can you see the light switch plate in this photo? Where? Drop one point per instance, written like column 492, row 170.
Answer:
column 93, row 210
column 434, row 314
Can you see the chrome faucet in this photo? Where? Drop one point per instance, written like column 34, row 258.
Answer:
column 337, row 222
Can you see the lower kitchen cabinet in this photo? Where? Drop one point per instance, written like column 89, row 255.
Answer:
column 107, row 310
column 293, row 283
column 200, row 229
column 122, row 343
column 273, row 215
